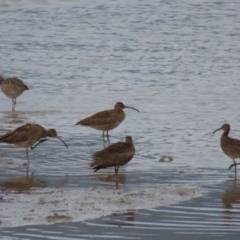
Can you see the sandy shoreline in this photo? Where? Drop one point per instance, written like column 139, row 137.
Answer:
column 50, row 205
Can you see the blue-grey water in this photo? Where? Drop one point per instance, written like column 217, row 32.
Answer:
column 176, row 61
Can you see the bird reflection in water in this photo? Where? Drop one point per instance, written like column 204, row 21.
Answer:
column 22, row 184
column 122, row 178
column 231, row 196
column 230, row 199
column 25, row 183
column 15, row 117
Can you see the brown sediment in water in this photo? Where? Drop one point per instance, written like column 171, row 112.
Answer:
column 58, row 218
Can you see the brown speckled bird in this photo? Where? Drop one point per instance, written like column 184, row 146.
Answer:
column 115, row 155
column 230, row 146
column 12, row 88
column 106, row 120
column 27, row 135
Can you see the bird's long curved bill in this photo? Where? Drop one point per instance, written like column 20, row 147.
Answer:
column 217, row 130
column 131, row 108
column 62, row 141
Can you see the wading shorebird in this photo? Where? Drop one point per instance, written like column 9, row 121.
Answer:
column 12, row 88
column 115, row 155
column 106, row 120
column 230, row 146
column 27, row 135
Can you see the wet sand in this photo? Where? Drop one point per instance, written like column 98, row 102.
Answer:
column 34, row 207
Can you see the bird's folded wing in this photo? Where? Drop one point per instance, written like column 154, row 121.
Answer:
column 100, row 118
column 20, row 134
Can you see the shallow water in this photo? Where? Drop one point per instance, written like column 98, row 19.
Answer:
column 177, row 62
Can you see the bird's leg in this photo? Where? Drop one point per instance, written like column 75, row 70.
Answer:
column 116, row 173
column 103, row 140
column 235, row 169
column 235, row 165
column 108, row 138
column 13, row 105
column 28, row 161
column 41, row 141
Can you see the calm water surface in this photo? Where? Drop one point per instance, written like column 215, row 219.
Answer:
column 176, row 61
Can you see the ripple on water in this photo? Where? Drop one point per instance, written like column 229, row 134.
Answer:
column 175, row 61
column 213, row 215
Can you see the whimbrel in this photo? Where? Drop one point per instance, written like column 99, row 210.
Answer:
column 27, row 135
column 12, row 88
column 115, row 155
column 230, row 146
column 106, row 120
